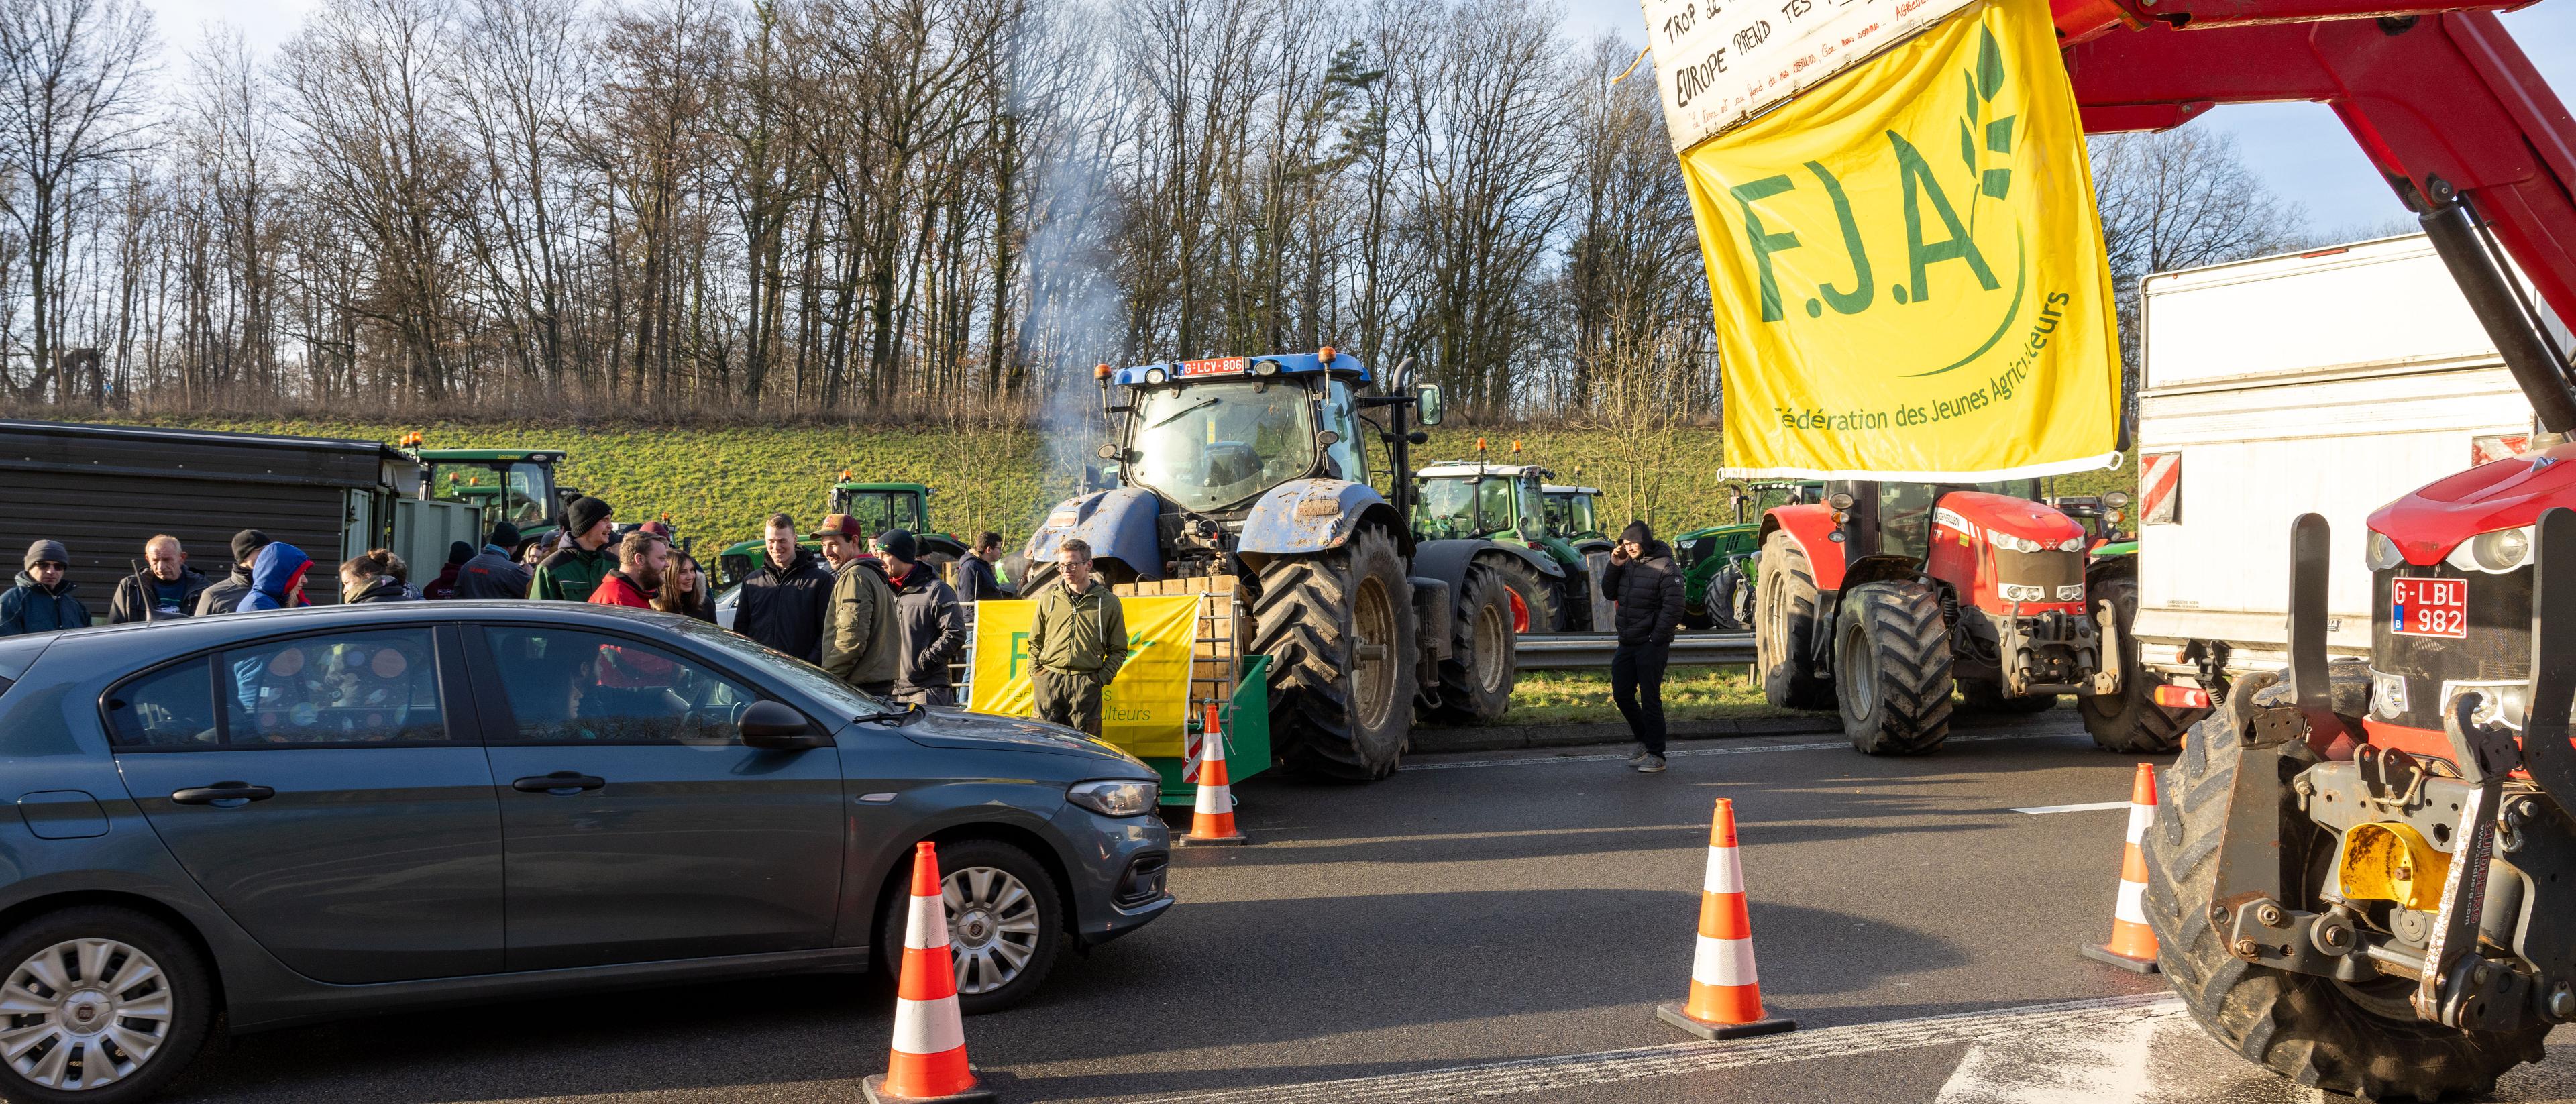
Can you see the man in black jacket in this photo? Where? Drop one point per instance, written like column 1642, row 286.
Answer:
column 976, row 581
column 166, row 587
column 784, row 604
column 226, row 595
column 1648, row 588
column 930, row 631
column 495, row 572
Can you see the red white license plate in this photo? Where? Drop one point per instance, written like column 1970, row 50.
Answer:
column 2429, row 607
column 1225, row 366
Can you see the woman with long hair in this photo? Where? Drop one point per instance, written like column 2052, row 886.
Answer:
column 375, row 576
column 685, row 590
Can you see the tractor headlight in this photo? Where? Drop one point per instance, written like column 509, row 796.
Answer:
column 2017, row 592
column 2382, row 553
column 2017, row 544
column 2388, row 694
column 2494, row 553
column 1265, row 367
column 1118, row 797
column 1155, row 376
column 2071, row 544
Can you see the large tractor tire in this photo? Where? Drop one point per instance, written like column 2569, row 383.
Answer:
column 1892, row 669
column 1784, row 634
column 2130, row 721
column 2361, row 1039
column 1728, row 600
column 1476, row 679
column 1538, row 593
column 1338, row 628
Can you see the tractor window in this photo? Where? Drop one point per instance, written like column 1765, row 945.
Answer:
column 1905, row 518
column 1213, row 445
column 878, row 511
column 1530, row 509
column 530, row 495
column 1447, row 509
column 1493, row 504
column 1560, row 516
column 1347, row 453
column 2016, row 488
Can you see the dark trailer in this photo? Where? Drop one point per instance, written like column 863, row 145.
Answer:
column 106, row 489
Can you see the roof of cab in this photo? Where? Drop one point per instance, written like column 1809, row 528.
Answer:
column 1342, row 366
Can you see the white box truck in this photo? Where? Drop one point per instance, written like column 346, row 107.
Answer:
column 2330, row 381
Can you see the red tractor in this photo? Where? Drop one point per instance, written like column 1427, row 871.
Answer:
column 2364, row 873
column 1880, row 599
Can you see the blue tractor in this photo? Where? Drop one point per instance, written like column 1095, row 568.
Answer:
column 1259, row 468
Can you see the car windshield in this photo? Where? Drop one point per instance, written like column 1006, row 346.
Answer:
column 806, row 677
column 1212, row 445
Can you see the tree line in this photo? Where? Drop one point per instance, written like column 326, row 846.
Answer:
column 860, row 207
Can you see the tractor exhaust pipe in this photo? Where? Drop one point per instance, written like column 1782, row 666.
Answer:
column 2539, row 367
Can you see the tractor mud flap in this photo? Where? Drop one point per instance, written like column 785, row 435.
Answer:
column 1431, row 611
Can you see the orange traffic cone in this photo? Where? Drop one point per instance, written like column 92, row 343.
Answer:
column 1725, row 998
column 2132, row 945
column 928, row 1061
column 1212, row 825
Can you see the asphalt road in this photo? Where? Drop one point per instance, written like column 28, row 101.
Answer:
column 1486, row 926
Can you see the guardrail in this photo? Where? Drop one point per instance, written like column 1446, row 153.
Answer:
column 1575, row 651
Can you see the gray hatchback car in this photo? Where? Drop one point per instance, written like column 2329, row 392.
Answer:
column 291, row 816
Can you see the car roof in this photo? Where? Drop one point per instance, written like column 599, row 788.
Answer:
column 181, row 631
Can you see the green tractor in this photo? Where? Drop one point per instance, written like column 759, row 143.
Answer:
column 1718, row 561
column 513, row 485
column 1550, row 552
column 877, row 506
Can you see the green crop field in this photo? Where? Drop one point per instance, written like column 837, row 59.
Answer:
column 717, row 482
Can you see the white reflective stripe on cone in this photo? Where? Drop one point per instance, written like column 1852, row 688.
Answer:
column 2132, row 906
column 1212, row 749
column 926, row 925
column 2140, row 816
column 1723, row 962
column 1725, row 874
column 927, row 1027
column 1215, row 799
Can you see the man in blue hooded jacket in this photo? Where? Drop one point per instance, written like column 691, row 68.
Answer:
column 43, row 600
column 276, row 578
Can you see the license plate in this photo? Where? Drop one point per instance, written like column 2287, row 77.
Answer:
column 1226, row 366
column 2429, row 607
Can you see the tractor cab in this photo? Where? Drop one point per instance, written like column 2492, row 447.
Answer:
column 1569, row 514
column 513, row 485
column 1466, row 499
column 1211, row 437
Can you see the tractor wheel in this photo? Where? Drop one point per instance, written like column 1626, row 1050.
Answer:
column 2130, row 721
column 1784, row 635
column 2341, row 1037
column 1892, row 669
column 1729, row 601
column 1338, row 628
column 1476, row 679
column 1989, row 697
column 1538, row 592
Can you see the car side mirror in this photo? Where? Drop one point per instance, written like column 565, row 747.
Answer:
column 773, row 726
column 1427, row 398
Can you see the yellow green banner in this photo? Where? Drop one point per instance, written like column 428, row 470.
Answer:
column 1146, row 710
column 1908, row 273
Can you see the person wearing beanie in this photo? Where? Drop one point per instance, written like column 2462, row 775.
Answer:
column 43, row 599
column 1648, row 589
column 165, row 589
column 930, row 632
column 276, row 578
column 495, row 572
column 444, row 586
column 226, row 595
column 573, row 572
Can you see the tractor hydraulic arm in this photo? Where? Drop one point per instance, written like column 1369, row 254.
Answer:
column 2443, row 102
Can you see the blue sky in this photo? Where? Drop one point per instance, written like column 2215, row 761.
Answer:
column 2298, row 148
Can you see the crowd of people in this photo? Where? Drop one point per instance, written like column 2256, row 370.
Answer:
column 867, row 609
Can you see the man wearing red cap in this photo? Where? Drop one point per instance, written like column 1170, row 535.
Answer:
column 859, row 630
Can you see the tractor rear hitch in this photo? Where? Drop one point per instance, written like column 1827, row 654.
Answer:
column 2310, row 687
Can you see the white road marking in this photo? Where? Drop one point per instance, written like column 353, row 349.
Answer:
column 1619, row 756
column 2087, row 807
column 2084, row 1017
column 2099, row 1065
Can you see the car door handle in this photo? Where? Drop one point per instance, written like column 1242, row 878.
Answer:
column 559, row 781
column 222, row 791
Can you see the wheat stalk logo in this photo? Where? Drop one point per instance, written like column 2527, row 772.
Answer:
column 1983, row 84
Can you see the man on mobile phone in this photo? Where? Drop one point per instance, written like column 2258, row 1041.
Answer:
column 1648, row 589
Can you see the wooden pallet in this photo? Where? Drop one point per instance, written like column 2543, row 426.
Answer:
column 1216, row 664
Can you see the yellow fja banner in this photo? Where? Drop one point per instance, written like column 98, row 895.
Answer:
column 1146, row 710
column 1908, row 273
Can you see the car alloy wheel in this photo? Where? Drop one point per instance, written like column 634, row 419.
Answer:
column 993, row 927
column 84, row 1013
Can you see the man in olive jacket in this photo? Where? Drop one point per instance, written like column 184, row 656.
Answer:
column 860, row 634
column 1077, row 642
column 571, row 573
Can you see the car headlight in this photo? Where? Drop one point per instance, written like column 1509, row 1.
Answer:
column 2494, row 553
column 1118, row 797
column 2382, row 553
column 2016, row 592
